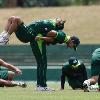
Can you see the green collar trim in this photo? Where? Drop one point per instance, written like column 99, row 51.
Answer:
column 76, row 66
column 66, row 38
column 53, row 21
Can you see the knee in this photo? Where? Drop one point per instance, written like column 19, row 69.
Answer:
column 11, row 75
column 1, row 81
column 15, row 19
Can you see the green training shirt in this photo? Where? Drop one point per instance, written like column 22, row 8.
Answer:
column 95, row 63
column 42, row 26
column 61, row 37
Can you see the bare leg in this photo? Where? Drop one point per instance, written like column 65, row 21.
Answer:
column 12, row 24
column 11, row 75
column 10, row 27
column 7, row 83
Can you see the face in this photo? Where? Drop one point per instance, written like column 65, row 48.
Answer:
column 70, row 44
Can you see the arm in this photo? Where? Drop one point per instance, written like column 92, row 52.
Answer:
column 62, row 79
column 47, row 39
column 84, row 72
column 10, row 67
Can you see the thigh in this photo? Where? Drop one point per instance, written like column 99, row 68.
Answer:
column 11, row 75
column 23, row 33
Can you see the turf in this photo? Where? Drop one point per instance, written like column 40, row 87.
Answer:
column 29, row 93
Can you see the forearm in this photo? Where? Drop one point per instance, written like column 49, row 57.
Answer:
column 47, row 39
column 11, row 67
column 62, row 81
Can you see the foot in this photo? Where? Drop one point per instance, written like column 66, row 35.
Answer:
column 39, row 88
column 4, row 38
column 86, row 87
column 48, row 89
column 22, row 84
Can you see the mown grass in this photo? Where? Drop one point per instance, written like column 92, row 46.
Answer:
column 17, row 93
column 82, row 21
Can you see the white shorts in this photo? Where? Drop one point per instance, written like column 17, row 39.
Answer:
column 4, row 38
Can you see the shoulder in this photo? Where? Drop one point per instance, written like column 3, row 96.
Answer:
column 1, row 61
column 82, row 64
column 65, row 65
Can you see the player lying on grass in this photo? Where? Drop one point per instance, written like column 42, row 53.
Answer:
column 95, row 71
column 30, row 33
column 75, row 72
column 7, row 76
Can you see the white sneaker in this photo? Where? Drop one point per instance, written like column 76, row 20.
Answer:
column 86, row 87
column 4, row 38
column 39, row 88
column 48, row 89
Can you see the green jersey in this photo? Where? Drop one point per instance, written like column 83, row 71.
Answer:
column 75, row 75
column 27, row 33
column 42, row 26
column 95, row 62
column 61, row 37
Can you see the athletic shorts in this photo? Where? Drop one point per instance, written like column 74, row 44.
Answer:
column 95, row 67
column 24, row 34
column 4, row 74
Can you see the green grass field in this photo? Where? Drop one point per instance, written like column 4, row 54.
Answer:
column 29, row 93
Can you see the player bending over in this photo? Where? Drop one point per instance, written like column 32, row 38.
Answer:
column 30, row 33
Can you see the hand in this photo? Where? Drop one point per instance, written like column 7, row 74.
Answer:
column 37, row 38
column 18, row 72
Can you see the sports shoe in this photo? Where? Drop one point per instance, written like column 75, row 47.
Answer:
column 48, row 89
column 4, row 38
column 86, row 87
column 22, row 84
column 39, row 88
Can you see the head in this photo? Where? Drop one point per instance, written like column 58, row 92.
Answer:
column 73, row 42
column 73, row 61
column 59, row 23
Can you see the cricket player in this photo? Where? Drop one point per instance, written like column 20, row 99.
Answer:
column 95, row 71
column 15, row 24
column 29, row 33
column 75, row 72
column 7, row 76
column 53, row 37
